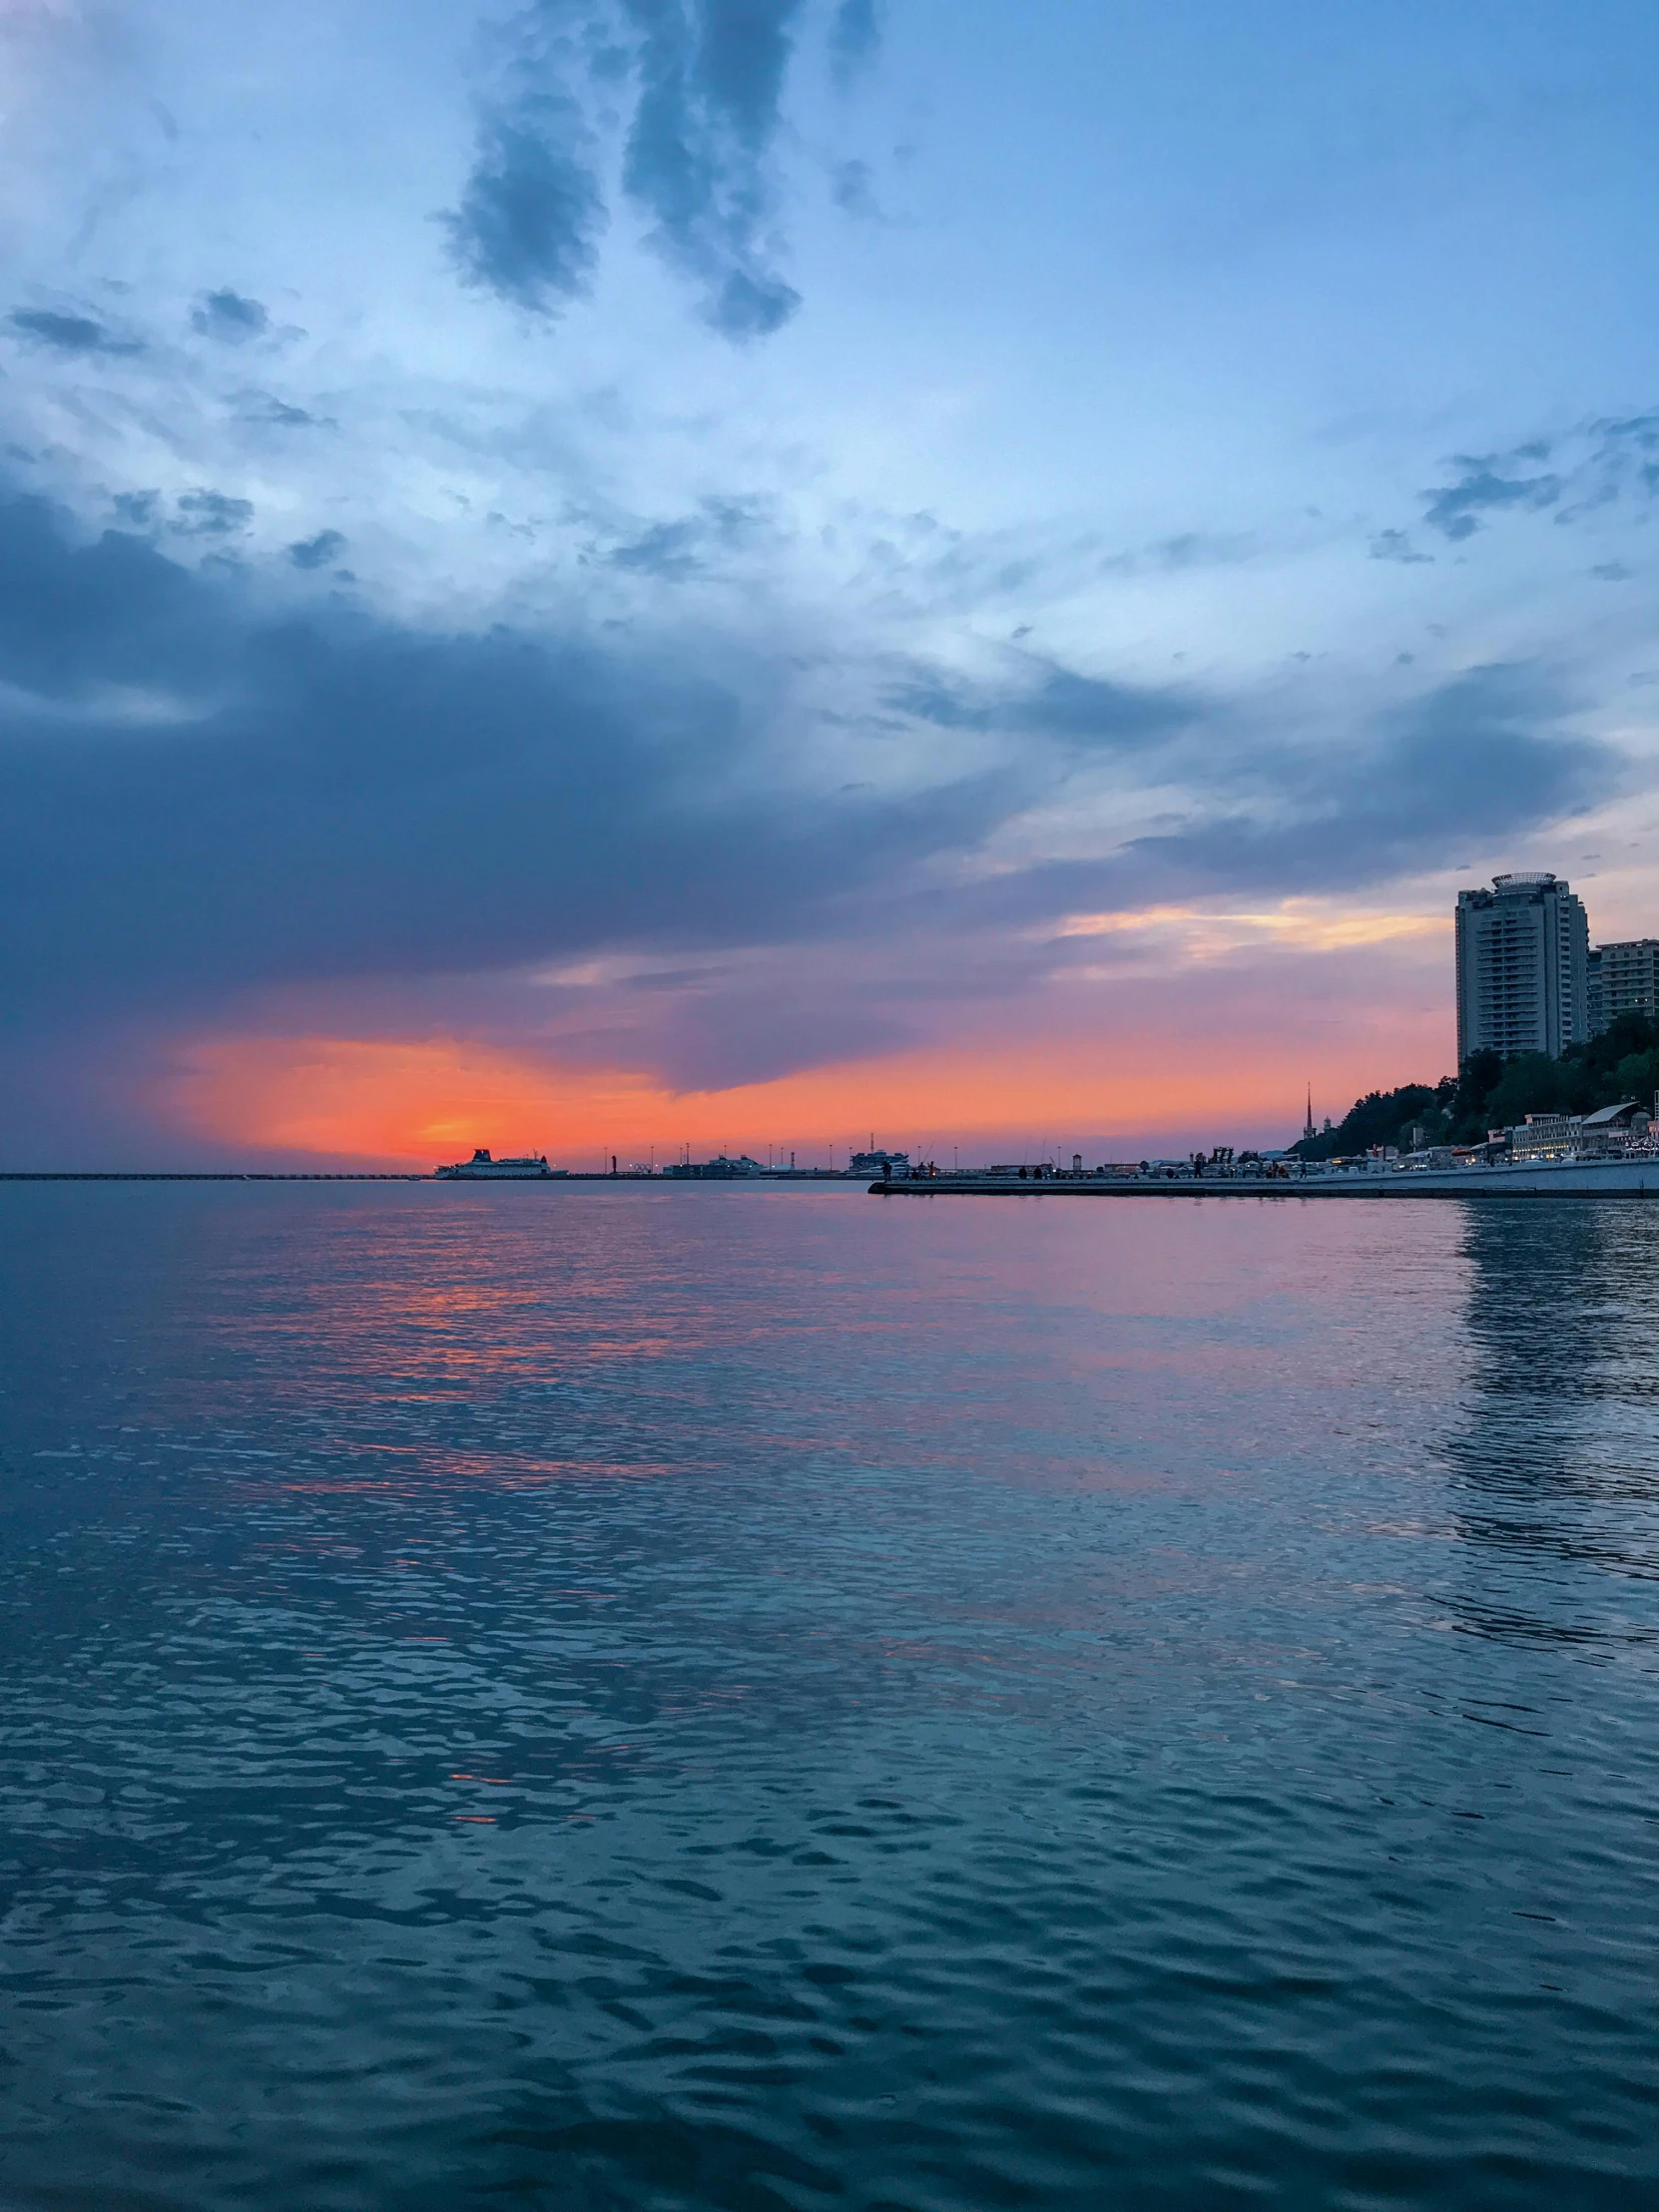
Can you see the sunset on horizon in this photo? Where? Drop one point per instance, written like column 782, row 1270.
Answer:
column 829, row 1105
column 629, row 584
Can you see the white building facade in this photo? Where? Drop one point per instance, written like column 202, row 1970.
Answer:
column 1522, row 952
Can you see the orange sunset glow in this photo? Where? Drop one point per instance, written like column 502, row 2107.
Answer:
column 419, row 1101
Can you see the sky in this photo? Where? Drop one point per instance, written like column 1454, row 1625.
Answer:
column 614, row 576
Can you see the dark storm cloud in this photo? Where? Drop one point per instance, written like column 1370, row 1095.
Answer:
column 200, row 797
column 531, row 214
column 1088, row 712
column 1484, row 757
column 329, row 796
column 68, row 334
column 111, row 612
column 230, row 316
column 1082, row 711
column 1468, row 762
column 1491, row 752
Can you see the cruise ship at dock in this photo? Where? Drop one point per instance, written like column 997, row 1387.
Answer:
column 482, row 1169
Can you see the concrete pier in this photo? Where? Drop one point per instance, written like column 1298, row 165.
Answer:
column 1612, row 1178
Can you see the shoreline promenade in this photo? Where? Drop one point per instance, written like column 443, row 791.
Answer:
column 1615, row 1177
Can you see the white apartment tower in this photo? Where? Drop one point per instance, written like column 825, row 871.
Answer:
column 1523, row 967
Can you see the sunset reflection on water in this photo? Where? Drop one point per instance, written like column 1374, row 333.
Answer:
column 866, row 1685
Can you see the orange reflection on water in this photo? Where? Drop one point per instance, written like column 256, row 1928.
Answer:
column 496, row 1471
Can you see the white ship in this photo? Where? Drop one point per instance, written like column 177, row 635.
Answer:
column 482, row 1169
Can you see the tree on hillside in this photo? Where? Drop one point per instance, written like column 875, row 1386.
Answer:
column 1380, row 1117
column 1492, row 1092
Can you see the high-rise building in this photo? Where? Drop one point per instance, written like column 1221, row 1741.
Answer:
column 1522, row 966
column 1624, row 979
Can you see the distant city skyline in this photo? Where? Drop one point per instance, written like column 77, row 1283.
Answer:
column 588, row 577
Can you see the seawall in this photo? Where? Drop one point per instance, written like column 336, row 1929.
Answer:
column 1546, row 1179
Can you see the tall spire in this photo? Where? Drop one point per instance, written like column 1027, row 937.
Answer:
column 1308, row 1126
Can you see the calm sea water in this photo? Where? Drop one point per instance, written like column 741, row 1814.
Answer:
column 778, row 1699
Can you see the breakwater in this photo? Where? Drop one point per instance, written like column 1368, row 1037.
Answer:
column 1614, row 1178
column 195, row 1175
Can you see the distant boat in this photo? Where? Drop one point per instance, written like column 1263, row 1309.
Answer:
column 482, row 1169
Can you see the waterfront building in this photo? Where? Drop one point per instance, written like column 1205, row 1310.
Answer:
column 1545, row 1137
column 1523, row 951
column 1623, row 979
column 1584, row 1136
column 1614, row 1128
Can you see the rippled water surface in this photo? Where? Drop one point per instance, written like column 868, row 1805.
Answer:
column 771, row 1699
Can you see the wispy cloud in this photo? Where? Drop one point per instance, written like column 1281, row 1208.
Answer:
column 853, row 188
column 700, row 88
column 1482, row 486
column 1396, row 545
column 693, row 544
column 855, row 36
column 1596, row 465
column 211, row 514
column 70, row 334
column 531, row 214
column 1042, row 700
column 317, row 552
column 1208, row 933
column 711, row 80
column 230, row 316
column 1489, row 756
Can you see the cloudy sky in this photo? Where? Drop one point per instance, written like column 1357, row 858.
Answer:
column 624, row 573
